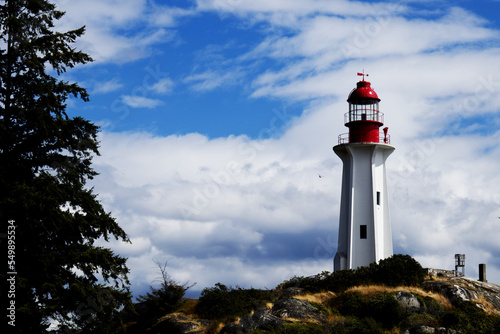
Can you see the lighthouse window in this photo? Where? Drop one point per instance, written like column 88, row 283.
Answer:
column 362, row 232
column 378, row 197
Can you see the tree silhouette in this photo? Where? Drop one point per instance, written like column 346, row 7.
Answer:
column 45, row 161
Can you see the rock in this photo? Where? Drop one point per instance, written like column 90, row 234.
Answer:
column 282, row 310
column 430, row 330
column 457, row 293
column 465, row 289
column 179, row 324
column 260, row 319
column 408, row 302
column 296, row 309
column 491, row 292
column 425, row 329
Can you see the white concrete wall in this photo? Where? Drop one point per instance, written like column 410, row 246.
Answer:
column 363, row 176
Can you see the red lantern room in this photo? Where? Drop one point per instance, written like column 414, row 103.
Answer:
column 363, row 119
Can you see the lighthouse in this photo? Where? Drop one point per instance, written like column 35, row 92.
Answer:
column 364, row 222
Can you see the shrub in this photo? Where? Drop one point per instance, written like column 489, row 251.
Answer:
column 349, row 303
column 469, row 318
column 343, row 280
column 432, row 306
column 393, row 271
column 299, row 328
column 222, row 302
column 382, row 307
column 419, row 319
column 357, row 326
column 398, row 270
column 161, row 301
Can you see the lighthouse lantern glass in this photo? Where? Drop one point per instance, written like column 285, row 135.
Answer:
column 367, row 110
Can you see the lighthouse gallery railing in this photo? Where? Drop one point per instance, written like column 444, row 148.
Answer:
column 386, row 139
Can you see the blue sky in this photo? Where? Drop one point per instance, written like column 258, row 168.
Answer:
column 202, row 87
column 218, row 115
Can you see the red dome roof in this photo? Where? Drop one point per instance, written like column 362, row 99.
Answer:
column 362, row 92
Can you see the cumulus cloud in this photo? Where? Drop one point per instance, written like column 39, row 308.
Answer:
column 254, row 212
column 228, row 198
column 231, row 201
column 105, row 23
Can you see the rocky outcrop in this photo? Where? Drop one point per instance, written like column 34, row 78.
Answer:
column 408, row 302
column 177, row 323
column 290, row 310
column 283, row 311
column 430, row 330
column 260, row 319
column 459, row 289
column 296, row 309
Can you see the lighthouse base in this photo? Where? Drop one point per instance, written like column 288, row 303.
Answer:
column 340, row 261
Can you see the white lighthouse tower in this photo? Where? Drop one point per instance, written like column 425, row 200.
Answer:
column 364, row 223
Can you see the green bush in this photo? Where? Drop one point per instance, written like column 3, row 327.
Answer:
column 398, row 270
column 161, row 301
column 393, row 271
column 222, row 302
column 469, row 318
column 293, row 328
column 419, row 319
column 431, row 306
column 301, row 329
column 357, row 326
column 382, row 307
column 342, row 280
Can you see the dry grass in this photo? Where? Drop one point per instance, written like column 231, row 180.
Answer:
column 335, row 318
column 214, row 328
column 370, row 290
column 437, row 278
column 303, row 321
column 486, row 305
column 180, row 318
column 188, row 308
column 317, row 298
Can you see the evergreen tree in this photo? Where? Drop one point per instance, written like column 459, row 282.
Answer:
column 45, row 162
column 160, row 301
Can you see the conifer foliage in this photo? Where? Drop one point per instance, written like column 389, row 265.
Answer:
column 45, row 162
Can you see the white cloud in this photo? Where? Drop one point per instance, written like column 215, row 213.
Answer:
column 309, row 57
column 255, row 212
column 246, row 199
column 278, row 8
column 140, row 101
column 166, row 16
column 106, row 22
column 163, row 86
column 107, row 86
column 210, row 80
